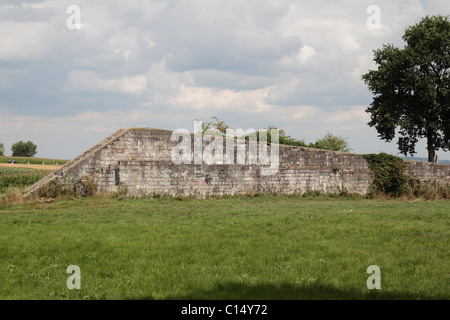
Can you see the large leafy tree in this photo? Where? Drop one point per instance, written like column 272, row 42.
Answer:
column 23, row 149
column 411, row 88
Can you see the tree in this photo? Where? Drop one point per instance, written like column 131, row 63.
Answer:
column 328, row 142
column 283, row 138
column 216, row 127
column 23, row 149
column 2, row 150
column 219, row 127
column 332, row 142
column 411, row 88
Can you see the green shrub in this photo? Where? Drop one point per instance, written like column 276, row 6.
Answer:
column 121, row 193
column 54, row 189
column 311, row 193
column 86, row 187
column 49, row 190
column 428, row 190
column 390, row 177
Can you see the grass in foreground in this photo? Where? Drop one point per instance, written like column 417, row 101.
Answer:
column 237, row 248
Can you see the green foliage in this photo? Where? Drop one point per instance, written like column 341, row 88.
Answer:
column 2, row 150
column 389, row 173
column 122, row 192
column 411, row 88
column 27, row 160
column 86, row 187
column 215, row 127
column 283, row 138
column 91, row 185
column 312, row 193
column 19, row 177
column 328, row 142
column 332, row 142
column 23, row 149
column 428, row 190
column 50, row 190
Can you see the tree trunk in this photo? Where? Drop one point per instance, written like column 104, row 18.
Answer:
column 430, row 148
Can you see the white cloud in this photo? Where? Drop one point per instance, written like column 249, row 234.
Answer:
column 303, row 112
column 349, row 119
column 215, row 100
column 305, row 53
column 90, row 81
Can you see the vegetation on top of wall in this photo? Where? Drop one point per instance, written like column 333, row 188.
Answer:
column 328, row 142
column 389, row 170
column 331, row 142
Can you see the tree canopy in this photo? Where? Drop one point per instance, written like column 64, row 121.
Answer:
column 411, row 88
column 23, row 149
column 331, row 142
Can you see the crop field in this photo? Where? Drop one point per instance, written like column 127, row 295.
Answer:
column 15, row 176
column 264, row 247
column 49, row 167
column 39, row 161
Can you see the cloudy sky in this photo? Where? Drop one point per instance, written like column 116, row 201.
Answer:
column 293, row 64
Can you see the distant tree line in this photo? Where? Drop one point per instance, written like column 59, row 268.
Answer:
column 21, row 149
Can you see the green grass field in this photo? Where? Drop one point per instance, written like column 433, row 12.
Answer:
column 27, row 160
column 265, row 247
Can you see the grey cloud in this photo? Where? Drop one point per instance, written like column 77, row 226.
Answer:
column 19, row 11
column 218, row 47
column 222, row 37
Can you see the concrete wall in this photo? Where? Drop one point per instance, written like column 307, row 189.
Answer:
column 425, row 171
column 141, row 160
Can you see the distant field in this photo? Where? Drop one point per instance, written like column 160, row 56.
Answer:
column 26, row 173
column 30, row 166
column 266, row 247
column 26, row 160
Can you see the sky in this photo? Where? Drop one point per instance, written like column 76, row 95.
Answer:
column 74, row 72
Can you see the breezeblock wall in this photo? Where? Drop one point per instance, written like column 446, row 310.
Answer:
column 142, row 160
